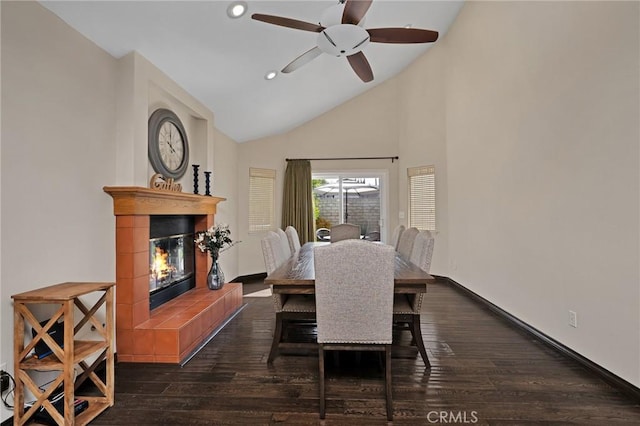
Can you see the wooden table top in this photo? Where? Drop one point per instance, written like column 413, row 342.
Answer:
column 297, row 274
column 61, row 292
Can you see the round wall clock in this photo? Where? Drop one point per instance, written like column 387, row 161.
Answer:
column 168, row 145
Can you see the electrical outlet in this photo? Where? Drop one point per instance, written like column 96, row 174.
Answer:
column 573, row 319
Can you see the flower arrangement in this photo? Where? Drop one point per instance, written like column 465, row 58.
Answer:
column 215, row 240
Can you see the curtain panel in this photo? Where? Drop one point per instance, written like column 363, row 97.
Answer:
column 297, row 200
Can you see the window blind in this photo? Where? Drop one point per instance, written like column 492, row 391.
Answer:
column 422, row 197
column 262, row 184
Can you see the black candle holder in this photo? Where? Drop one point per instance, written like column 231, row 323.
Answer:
column 207, row 183
column 195, row 177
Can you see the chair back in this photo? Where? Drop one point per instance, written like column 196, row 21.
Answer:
column 294, row 238
column 373, row 236
column 423, row 250
column 345, row 231
column 395, row 237
column 354, row 292
column 323, row 234
column 405, row 245
column 284, row 242
column 272, row 252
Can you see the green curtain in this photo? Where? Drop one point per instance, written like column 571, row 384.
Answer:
column 297, row 200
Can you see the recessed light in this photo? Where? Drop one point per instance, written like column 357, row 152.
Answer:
column 237, row 9
column 408, row 26
column 270, row 75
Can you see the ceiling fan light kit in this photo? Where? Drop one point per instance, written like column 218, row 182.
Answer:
column 341, row 33
column 343, row 40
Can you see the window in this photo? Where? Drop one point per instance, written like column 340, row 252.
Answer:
column 262, row 184
column 422, row 197
column 351, row 196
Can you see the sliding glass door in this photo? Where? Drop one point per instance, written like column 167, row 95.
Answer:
column 349, row 197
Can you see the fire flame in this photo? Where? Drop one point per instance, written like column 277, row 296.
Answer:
column 160, row 267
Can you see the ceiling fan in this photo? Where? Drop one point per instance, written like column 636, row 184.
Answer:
column 341, row 34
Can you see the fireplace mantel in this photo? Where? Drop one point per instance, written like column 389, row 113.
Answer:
column 137, row 200
column 171, row 332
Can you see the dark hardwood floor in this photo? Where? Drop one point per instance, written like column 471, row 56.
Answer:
column 484, row 371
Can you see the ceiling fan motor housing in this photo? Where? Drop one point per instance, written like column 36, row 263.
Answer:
column 343, row 40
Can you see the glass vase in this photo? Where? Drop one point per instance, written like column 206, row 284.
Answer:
column 215, row 277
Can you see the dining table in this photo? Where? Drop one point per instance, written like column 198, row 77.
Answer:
column 297, row 276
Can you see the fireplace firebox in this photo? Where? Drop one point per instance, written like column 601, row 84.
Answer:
column 171, row 258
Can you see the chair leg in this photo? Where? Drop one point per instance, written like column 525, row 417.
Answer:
column 417, row 337
column 387, row 382
column 321, row 379
column 277, row 336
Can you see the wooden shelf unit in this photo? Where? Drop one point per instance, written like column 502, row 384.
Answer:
column 65, row 358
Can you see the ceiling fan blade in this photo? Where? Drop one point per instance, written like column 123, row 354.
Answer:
column 402, row 35
column 287, row 22
column 354, row 11
column 361, row 66
column 303, row 59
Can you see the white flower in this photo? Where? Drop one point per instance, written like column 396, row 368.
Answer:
column 215, row 240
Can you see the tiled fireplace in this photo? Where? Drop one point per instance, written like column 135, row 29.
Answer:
column 172, row 331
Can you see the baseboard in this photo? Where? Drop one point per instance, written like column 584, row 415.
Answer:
column 612, row 379
column 246, row 279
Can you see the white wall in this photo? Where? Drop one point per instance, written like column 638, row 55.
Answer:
column 422, row 140
column 225, row 184
column 543, row 161
column 58, row 115
column 363, row 127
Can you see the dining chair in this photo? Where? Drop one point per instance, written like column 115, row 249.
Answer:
column 405, row 244
column 294, row 238
column 372, row 236
column 407, row 307
column 284, row 242
column 346, row 319
column 395, row 237
column 323, row 234
column 345, row 231
column 287, row 307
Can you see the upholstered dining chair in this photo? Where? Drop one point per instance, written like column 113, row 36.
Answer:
column 294, row 238
column 405, row 244
column 323, row 234
column 284, row 242
column 347, row 320
column 395, row 237
column 345, row 231
column 407, row 307
column 287, row 307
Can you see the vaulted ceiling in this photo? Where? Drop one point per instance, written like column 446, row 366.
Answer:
column 223, row 61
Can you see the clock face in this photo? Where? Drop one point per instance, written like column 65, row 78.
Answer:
column 168, row 145
column 171, row 146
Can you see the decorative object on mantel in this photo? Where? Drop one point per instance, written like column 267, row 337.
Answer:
column 195, row 177
column 215, row 240
column 162, row 183
column 207, row 183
